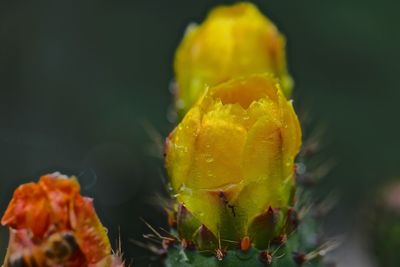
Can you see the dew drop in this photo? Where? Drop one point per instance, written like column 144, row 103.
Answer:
column 209, row 159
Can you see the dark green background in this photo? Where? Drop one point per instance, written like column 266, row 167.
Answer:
column 81, row 81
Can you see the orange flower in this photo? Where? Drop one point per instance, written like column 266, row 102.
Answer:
column 52, row 206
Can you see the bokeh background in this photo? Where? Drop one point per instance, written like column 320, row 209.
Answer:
column 84, row 91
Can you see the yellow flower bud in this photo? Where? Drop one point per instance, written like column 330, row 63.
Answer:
column 232, row 157
column 233, row 41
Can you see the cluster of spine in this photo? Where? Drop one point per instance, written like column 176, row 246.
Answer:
column 238, row 203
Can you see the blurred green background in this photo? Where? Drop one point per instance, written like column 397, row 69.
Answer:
column 84, row 89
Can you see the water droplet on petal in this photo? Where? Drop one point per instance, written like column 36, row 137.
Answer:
column 209, row 159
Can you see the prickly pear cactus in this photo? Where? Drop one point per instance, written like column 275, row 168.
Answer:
column 239, row 197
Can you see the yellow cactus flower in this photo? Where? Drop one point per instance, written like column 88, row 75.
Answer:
column 231, row 159
column 233, row 41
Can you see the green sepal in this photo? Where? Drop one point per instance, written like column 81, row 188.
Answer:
column 265, row 227
column 187, row 224
column 205, row 239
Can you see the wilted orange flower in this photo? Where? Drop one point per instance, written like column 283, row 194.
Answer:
column 39, row 212
column 233, row 41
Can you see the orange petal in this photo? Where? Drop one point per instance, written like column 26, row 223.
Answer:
column 90, row 233
column 28, row 209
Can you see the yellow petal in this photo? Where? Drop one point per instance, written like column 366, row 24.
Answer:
column 262, row 157
column 180, row 148
column 218, row 153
